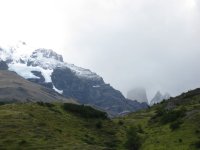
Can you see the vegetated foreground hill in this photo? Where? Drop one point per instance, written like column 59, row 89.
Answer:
column 14, row 88
column 45, row 126
column 171, row 125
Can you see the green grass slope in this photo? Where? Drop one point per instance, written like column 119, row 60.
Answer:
column 46, row 126
column 171, row 125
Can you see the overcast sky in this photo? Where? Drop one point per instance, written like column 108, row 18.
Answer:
column 130, row 43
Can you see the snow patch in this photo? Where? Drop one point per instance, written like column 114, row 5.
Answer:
column 96, row 86
column 44, row 60
column 57, row 90
column 25, row 71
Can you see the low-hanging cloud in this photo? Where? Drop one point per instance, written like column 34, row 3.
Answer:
column 154, row 43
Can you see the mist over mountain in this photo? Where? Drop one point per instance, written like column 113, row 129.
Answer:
column 153, row 44
column 138, row 94
column 159, row 97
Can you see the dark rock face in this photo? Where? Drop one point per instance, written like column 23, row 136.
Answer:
column 93, row 92
column 3, row 65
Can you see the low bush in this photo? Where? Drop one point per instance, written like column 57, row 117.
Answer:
column 2, row 103
column 99, row 125
column 45, row 104
column 197, row 144
column 84, row 111
column 180, row 140
column 133, row 139
column 168, row 116
column 175, row 125
column 139, row 129
column 120, row 122
column 172, row 115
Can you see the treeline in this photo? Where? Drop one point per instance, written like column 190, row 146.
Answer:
column 84, row 111
column 81, row 110
column 174, row 117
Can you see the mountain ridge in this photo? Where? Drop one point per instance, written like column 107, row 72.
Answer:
column 47, row 68
column 14, row 88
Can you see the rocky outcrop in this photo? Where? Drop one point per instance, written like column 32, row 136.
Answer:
column 138, row 94
column 3, row 65
column 159, row 97
column 47, row 53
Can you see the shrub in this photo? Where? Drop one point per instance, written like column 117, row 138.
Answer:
column 99, row 125
column 133, row 140
column 23, row 142
column 84, row 111
column 139, row 129
column 197, row 131
column 160, row 112
column 180, row 140
column 172, row 115
column 197, row 144
column 175, row 125
column 45, row 104
column 2, row 103
column 120, row 122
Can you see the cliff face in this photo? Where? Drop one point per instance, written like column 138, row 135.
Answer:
column 93, row 92
column 3, row 65
column 138, row 94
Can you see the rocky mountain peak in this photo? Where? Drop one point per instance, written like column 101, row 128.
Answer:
column 166, row 96
column 159, row 97
column 3, row 65
column 138, row 94
column 46, row 53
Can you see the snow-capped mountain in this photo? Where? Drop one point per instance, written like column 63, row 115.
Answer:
column 41, row 60
column 47, row 68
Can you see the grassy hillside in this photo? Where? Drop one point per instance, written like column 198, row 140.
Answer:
column 46, row 126
column 172, row 125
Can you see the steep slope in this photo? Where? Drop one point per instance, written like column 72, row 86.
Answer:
column 47, row 68
column 172, row 124
column 14, row 88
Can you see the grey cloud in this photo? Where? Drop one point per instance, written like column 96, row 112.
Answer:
column 154, row 44
column 130, row 43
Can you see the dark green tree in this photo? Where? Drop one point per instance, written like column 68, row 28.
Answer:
column 133, row 139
